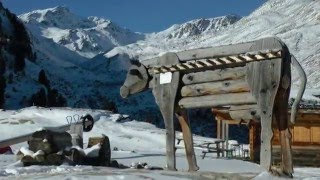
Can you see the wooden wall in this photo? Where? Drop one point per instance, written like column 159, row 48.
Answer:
column 305, row 140
column 306, row 131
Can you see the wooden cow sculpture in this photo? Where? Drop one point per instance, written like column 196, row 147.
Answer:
column 253, row 79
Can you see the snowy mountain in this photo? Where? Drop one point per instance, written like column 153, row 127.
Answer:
column 86, row 36
column 295, row 22
column 198, row 27
column 85, row 76
column 36, row 70
column 85, row 59
column 15, row 53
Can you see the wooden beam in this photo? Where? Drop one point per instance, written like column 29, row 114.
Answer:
column 219, row 62
column 221, row 114
column 307, row 117
column 269, row 43
column 232, row 49
column 307, row 111
column 217, row 100
column 214, row 75
column 231, row 122
column 220, row 87
column 307, row 124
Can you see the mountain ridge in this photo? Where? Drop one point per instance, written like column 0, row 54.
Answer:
column 87, row 36
column 88, row 71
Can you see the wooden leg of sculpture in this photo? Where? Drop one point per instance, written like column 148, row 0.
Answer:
column 165, row 95
column 188, row 139
column 165, row 100
column 281, row 118
column 266, row 138
column 263, row 79
column 281, row 114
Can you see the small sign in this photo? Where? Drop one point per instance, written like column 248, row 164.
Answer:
column 165, row 78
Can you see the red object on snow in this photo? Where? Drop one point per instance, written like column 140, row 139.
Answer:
column 6, row 150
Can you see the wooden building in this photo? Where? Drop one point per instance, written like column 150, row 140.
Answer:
column 305, row 136
column 305, row 139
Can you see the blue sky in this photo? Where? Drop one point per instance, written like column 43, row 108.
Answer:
column 142, row 15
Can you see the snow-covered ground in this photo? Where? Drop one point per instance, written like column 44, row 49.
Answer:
column 135, row 142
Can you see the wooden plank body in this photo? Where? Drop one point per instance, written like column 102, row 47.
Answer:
column 214, row 75
column 245, row 112
column 219, row 87
column 217, row 100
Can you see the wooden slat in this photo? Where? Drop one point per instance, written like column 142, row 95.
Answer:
column 217, row 100
column 245, row 112
column 303, row 146
column 214, row 75
column 301, row 134
column 315, row 134
column 307, row 123
column 307, row 117
column 308, row 111
column 220, row 87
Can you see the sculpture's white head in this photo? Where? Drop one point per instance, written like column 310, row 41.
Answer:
column 136, row 81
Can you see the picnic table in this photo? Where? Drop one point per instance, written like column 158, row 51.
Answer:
column 218, row 147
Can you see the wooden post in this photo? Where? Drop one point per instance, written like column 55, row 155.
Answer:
column 218, row 127
column 223, row 133
column 254, row 136
column 227, row 136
